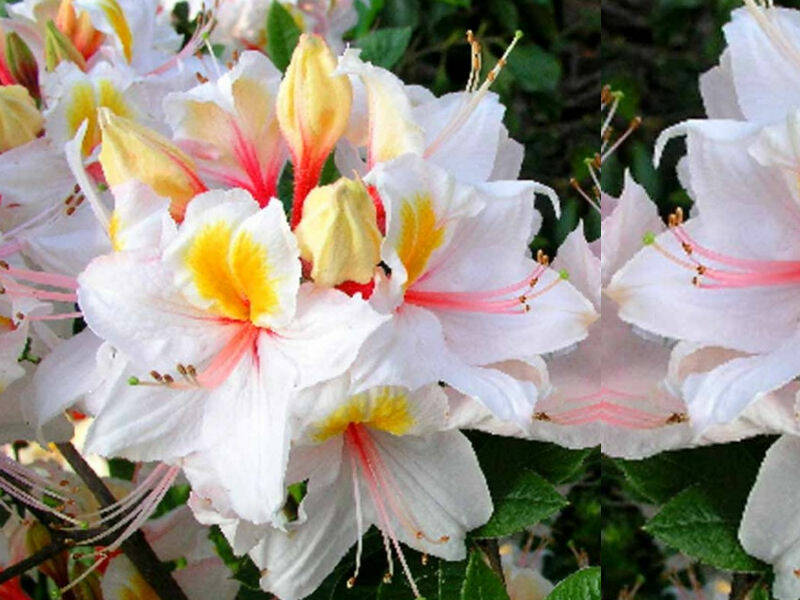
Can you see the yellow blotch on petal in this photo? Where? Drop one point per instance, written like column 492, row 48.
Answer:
column 419, row 237
column 207, row 260
column 253, row 276
column 113, row 232
column 20, row 120
column 313, row 105
column 232, row 271
column 116, row 17
column 384, row 408
column 83, row 103
column 131, row 151
column 339, row 234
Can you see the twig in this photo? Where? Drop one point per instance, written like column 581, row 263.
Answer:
column 34, row 560
column 135, row 547
column 491, row 550
column 742, row 585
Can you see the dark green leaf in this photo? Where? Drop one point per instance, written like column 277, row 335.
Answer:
column 581, row 585
column 521, row 503
column 702, row 527
column 384, row 47
column 481, row 583
column 534, row 69
column 282, row 35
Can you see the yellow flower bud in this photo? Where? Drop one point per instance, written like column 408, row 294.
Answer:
column 78, row 28
column 58, row 47
column 313, row 109
column 133, row 152
column 339, row 234
column 20, row 120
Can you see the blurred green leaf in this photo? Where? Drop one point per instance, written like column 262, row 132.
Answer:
column 385, row 47
column 481, row 583
column 282, row 35
column 702, row 527
column 534, row 69
column 401, row 13
column 581, row 585
column 521, row 503
column 367, row 12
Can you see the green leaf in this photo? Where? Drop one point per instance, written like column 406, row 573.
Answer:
column 581, row 585
column 502, row 457
column 367, row 12
column 521, row 503
column 459, row 3
column 481, row 583
column 384, row 47
column 704, row 528
column 730, row 469
column 534, row 69
column 282, row 35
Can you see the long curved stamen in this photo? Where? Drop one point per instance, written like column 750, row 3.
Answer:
column 512, row 299
column 772, row 30
column 217, row 371
column 463, row 115
column 355, row 437
column 359, row 522
column 205, row 23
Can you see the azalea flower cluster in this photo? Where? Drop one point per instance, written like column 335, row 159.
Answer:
column 723, row 281
column 333, row 344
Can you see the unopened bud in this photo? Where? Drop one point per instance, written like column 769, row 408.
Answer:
column 58, row 47
column 133, row 152
column 313, row 108
column 22, row 64
column 20, row 120
column 79, row 29
column 339, row 234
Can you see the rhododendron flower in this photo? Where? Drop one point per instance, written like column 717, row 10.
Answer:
column 227, row 332
column 703, row 280
column 382, row 457
column 463, row 290
column 770, row 524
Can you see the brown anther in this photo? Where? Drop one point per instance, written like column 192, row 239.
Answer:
column 63, row 483
column 20, row 316
column 424, row 559
column 687, row 247
column 679, row 215
column 534, row 281
column 70, row 211
column 491, row 76
column 696, row 281
column 470, row 36
column 541, row 416
column 201, row 78
column 79, row 200
column 351, row 583
column 4, row 265
column 419, row 535
column 2, row 290
column 597, row 161
column 796, row 573
column 502, row 62
column 190, row 369
column 68, row 200
column 156, row 375
column 605, row 95
column 235, row 55
column 522, row 299
column 387, row 578
column 635, row 123
column 263, row 572
column 77, row 188
column 701, row 269
column 168, row 379
column 527, row 308
column 229, row 65
column 181, row 369
column 444, row 539
column 676, row 418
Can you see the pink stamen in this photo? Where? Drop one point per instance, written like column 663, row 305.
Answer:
column 56, row 317
column 355, row 437
column 43, row 277
column 223, row 364
column 16, row 290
